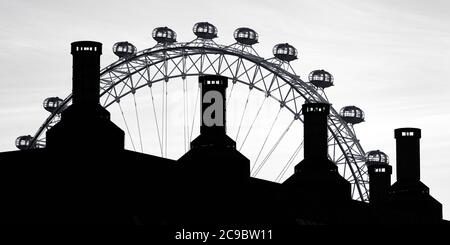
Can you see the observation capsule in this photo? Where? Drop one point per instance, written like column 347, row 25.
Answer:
column 205, row 30
column 321, row 78
column 246, row 36
column 376, row 157
column 52, row 103
column 23, row 142
column 124, row 49
column 285, row 52
column 164, row 35
column 352, row 114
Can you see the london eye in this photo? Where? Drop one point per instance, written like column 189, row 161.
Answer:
column 153, row 95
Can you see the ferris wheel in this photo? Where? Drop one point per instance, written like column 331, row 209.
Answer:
column 153, row 95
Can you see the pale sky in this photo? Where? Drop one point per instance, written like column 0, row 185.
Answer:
column 390, row 58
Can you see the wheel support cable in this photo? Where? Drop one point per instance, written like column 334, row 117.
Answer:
column 195, row 111
column 273, row 148
column 243, row 114
column 185, row 115
column 126, row 125
column 265, row 140
column 229, row 96
column 165, row 119
column 253, row 122
column 138, row 123
column 156, row 121
column 289, row 163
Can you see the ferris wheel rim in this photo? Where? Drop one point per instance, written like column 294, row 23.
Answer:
column 221, row 49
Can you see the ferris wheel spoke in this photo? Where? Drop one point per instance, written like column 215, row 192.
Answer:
column 265, row 140
column 202, row 63
column 195, row 111
column 255, row 74
column 272, row 81
column 273, row 149
column 165, row 119
column 219, row 67
column 163, row 116
column 138, row 122
column 289, row 162
column 135, row 106
column 185, row 104
column 229, row 96
column 156, row 120
column 345, row 169
column 238, row 65
column 253, row 122
column 334, row 151
column 185, row 128
column 243, row 114
column 126, row 125
column 165, row 95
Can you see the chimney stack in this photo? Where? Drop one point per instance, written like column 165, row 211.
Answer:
column 86, row 73
column 213, row 103
column 213, row 113
column 408, row 154
column 85, row 123
column 316, row 178
column 380, row 172
column 213, row 159
column 410, row 201
column 316, row 130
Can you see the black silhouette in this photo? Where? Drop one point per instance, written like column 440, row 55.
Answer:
column 72, row 181
column 380, row 176
column 409, row 199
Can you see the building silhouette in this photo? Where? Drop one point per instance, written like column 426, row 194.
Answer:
column 73, row 181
